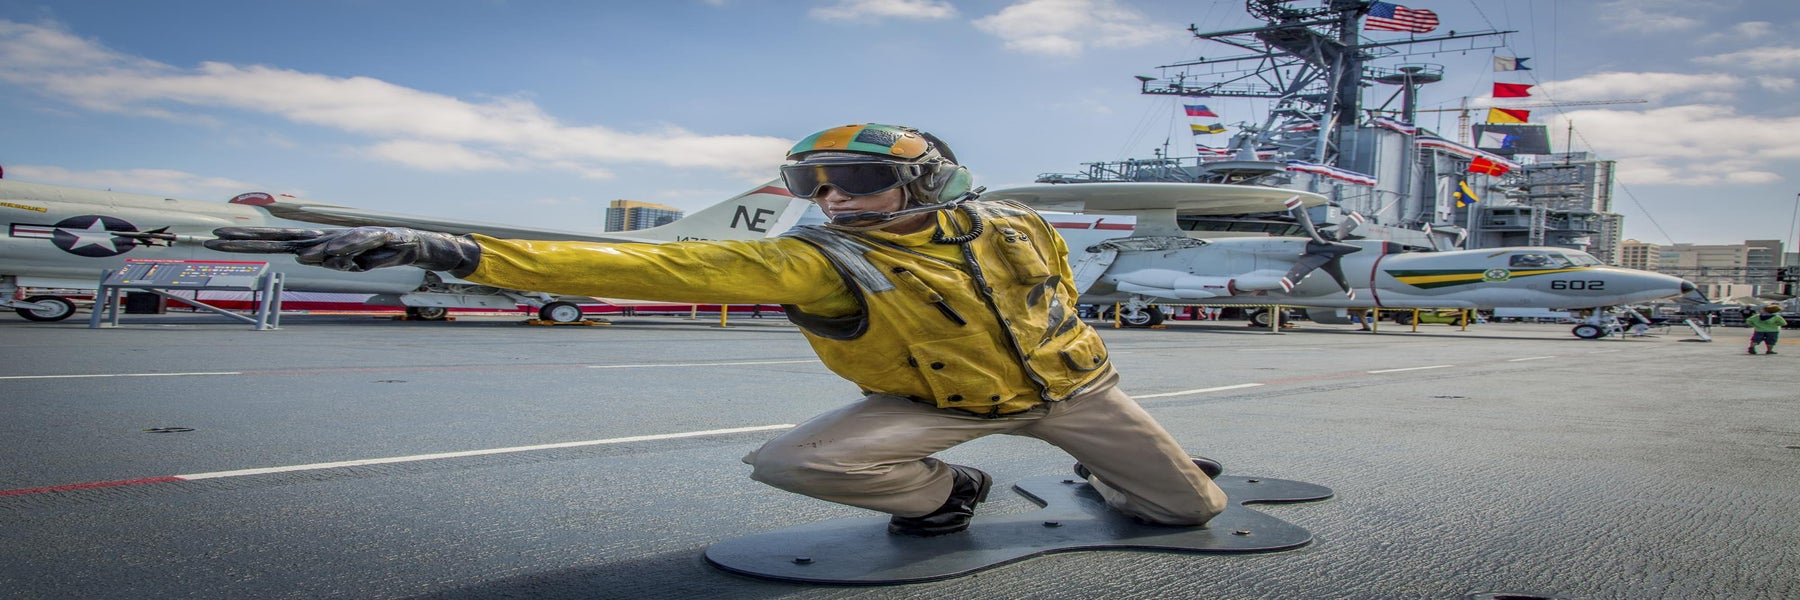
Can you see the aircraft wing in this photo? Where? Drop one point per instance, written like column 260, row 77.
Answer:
column 1129, row 197
column 67, row 238
column 343, row 216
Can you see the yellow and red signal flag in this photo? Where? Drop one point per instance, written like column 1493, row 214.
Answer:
column 1508, row 115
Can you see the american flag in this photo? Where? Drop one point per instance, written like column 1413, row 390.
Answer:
column 1393, row 17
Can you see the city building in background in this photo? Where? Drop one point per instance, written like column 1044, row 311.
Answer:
column 1722, row 271
column 629, row 215
column 1643, row 256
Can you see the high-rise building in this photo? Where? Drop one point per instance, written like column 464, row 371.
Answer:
column 628, row 215
column 1763, row 254
column 1643, row 256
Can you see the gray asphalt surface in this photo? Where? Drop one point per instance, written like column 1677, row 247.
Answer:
column 1523, row 462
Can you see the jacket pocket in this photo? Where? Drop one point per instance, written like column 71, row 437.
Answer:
column 964, row 371
column 1085, row 353
column 1021, row 256
column 911, row 282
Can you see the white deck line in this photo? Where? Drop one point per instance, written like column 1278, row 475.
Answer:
column 423, row 457
column 1198, row 391
column 1411, row 369
column 722, row 364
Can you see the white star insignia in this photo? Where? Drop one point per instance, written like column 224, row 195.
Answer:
column 95, row 235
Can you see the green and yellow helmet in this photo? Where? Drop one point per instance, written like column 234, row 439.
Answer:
column 890, row 156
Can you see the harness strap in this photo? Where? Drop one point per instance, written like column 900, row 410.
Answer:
column 847, row 253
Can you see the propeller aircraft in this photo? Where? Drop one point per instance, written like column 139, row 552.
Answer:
column 1158, row 261
column 66, row 238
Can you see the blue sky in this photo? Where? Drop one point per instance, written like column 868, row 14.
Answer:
column 540, row 113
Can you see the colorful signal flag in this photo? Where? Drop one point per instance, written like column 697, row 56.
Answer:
column 1487, row 167
column 1510, row 63
column 1511, row 90
column 1464, row 196
column 1199, row 110
column 1508, row 115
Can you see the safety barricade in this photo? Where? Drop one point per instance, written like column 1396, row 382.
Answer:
column 1464, row 315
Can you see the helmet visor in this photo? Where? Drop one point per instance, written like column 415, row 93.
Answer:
column 855, row 179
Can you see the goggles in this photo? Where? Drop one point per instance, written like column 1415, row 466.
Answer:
column 855, row 179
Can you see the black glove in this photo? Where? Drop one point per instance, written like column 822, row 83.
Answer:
column 356, row 248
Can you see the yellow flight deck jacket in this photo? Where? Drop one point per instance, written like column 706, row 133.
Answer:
column 993, row 331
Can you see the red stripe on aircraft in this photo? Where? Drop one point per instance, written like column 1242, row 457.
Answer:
column 1375, row 267
column 1117, row 226
column 88, row 486
column 33, row 231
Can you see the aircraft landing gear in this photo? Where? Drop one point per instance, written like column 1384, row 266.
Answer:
column 560, row 312
column 1129, row 316
column 46, row 308
column 427, row 313
column 1262, row 316
column 1588, row 331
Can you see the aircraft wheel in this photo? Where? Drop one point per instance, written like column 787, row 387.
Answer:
column 1150, row 316
column 560, row 312
column 60, row 309
column 1403, row 318
column 1587, row 331
column 1261, row 318
column 427, row 313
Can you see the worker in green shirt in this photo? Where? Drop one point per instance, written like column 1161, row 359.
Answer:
column 1768, row 328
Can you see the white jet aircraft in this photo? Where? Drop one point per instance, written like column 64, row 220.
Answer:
column 1154, row 261
column 66, row 238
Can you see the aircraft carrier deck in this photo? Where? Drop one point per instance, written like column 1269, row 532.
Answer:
column 184, row 456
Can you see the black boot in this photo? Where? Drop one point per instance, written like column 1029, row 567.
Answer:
column 969, row 488
column 1211, row 467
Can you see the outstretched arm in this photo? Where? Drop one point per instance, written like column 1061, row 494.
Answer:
column 775, row 271
column 356, row 248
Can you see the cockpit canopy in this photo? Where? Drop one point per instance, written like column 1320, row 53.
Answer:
column 1550, row 259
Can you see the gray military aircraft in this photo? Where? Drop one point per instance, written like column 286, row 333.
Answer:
column 66, row 238
column 1155, row 261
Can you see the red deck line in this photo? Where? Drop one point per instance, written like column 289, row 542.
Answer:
column 86, row 486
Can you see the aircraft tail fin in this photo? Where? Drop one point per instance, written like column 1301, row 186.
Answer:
column 767, row 210
column 764, row 211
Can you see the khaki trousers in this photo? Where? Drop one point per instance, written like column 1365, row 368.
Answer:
column 874, row 453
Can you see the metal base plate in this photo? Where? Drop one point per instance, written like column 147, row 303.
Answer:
column 859, row 551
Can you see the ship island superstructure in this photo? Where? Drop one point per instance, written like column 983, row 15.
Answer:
column 1409, row 184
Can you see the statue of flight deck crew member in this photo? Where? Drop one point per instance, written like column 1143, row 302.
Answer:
column 954, row 316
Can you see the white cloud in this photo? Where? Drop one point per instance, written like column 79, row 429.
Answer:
column 1069, row 27
column 1752, row 29
column 1698, row 144
column 1747, row 30
column 1762, row 59
column 1776, row 84
column 873, row 10
column 1649, row 16
column 435, row 156
column 175, row 184
column 504, row 133
column 1649, row 86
